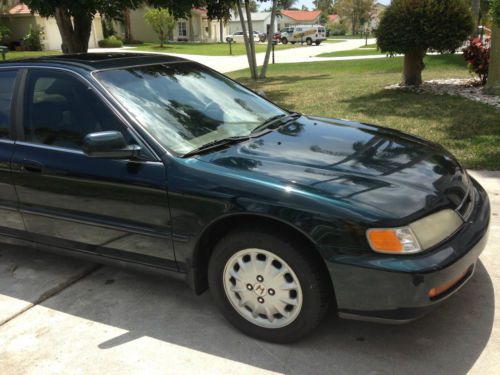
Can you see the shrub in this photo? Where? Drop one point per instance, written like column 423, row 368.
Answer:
column 477, row 55
column 412, row 27
column 4, row 32
column 111, row 42
column 337, row 28
column 33, row 40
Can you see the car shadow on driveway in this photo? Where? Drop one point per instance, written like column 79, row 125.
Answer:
column 448, row 341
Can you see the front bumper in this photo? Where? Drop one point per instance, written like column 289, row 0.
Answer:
column 395, row 289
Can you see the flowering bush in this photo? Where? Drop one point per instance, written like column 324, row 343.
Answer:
column 477, row 55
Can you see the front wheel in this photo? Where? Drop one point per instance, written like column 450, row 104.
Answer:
column 267, row 286
column 318, row 42
column 284, row 40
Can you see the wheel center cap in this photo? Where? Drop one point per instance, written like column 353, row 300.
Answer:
column 260, row 289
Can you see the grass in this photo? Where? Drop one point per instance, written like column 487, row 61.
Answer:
column 346, row 36
column 12, row 55
column 363, row 51
column 208, row 49
column 355, row 90
column 374, row 45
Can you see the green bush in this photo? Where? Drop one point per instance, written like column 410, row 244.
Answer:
column 4, row 32
column 33, row 40
column 111, row 42
column 337, row 28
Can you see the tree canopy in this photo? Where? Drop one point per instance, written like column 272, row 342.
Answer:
column 412, row 27
column 409, row 25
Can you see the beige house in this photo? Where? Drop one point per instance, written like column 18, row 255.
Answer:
column 197, row 28
column 18, row 19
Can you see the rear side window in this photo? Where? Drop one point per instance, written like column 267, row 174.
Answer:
column 7, row 81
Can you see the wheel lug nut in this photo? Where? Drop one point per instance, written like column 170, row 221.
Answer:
column 249, row 286
column 260, row 279
column 271, row 292
column 260, row 299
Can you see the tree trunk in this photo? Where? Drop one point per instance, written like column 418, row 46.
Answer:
column 270, row 36
column 221, row 30
column 476, row 14
column 75, row 33
column 413, row 67
column 253, row 69
column 251, row 40
column 493, row 85
column 128, row 26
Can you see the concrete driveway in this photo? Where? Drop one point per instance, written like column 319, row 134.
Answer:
column 61, row 316
column 225, row 64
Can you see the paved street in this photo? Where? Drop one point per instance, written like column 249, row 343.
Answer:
column 61, row 316
column 225, row 64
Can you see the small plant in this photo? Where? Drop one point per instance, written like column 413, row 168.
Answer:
column 4, row 32
column 111, row 42
column 32, row 41
column 477, row 55
column 337, row 28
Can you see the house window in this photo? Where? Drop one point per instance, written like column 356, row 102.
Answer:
column 182, row 25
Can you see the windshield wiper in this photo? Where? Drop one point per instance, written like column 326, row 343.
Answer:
column 281, row 119
column 216, row 144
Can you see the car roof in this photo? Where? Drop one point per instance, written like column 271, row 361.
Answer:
column 98, row 61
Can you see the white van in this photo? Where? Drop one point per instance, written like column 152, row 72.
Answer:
column 308, row 34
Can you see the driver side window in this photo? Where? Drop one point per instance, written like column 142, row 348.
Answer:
column 61, row 110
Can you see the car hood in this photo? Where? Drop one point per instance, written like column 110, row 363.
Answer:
column 394, row 173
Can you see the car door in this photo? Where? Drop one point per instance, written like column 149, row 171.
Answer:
column 116, row 208
column 11, row 223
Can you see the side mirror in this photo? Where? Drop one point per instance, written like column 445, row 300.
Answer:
column 109, row 145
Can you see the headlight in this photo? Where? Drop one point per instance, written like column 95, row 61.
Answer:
column 418, row 236
column 393, row 241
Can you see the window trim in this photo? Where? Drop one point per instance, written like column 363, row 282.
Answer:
column 12, row 110
column 152, row 154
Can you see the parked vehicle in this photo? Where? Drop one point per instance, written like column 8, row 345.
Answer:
column 160, row 163
column 308, row 34
column 238, row 37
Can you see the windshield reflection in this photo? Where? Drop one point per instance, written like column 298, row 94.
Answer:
column 185, row 105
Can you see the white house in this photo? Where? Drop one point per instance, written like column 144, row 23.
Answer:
column 260, row 22
column 298, row 17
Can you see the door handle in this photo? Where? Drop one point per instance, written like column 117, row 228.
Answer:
column 31, row 166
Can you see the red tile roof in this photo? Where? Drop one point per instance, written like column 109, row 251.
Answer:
column 302, row 15
column 19, row 9
column 332, row 17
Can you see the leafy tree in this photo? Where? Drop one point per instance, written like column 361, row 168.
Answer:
column 354, row 10
column 254, row 8
column 162, row 22
column 288, row 4
column 326, row 6
column 74, row 17
column 412, row 27
column 493, row 85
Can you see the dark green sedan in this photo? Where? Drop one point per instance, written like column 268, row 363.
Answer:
column 159, row 163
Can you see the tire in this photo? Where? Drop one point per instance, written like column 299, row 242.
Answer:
column 281, row 260
column 284, row 40
column 292, row 42
column 309, row 41
column 318, row 42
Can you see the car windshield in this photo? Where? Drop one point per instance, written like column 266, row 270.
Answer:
column 185, row 105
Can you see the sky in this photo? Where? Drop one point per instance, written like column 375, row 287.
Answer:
column 309, row 3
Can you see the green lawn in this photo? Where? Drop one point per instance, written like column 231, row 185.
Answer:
column 209, row 49
column 353, row 52
column 26, row 55
column 355, row 90
column 346, row 36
